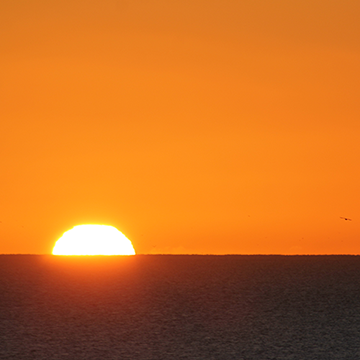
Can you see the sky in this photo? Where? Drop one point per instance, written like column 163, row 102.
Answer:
column 194, row 127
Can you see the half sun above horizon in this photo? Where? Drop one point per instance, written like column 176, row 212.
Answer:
column 93, row 240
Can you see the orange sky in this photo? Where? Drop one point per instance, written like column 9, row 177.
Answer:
column 192, row 126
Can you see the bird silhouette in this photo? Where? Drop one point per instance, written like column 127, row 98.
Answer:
column 345, row 218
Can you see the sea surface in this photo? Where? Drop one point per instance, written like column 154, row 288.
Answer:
column 179, row 307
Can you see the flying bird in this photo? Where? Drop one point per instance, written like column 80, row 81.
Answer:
column 345, row 218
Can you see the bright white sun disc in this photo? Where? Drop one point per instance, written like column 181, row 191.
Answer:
column 93, row 240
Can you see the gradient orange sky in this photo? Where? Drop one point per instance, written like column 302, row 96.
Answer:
column 191, row 126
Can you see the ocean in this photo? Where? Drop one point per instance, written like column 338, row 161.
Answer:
column 180, row 307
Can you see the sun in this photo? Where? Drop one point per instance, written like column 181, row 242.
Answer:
column 93, row 240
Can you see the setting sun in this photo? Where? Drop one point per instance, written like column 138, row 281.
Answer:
column 93, row 240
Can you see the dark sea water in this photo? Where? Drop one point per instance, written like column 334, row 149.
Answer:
column 180, row 307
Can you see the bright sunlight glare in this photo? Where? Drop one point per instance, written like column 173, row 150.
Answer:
column 93, row 240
